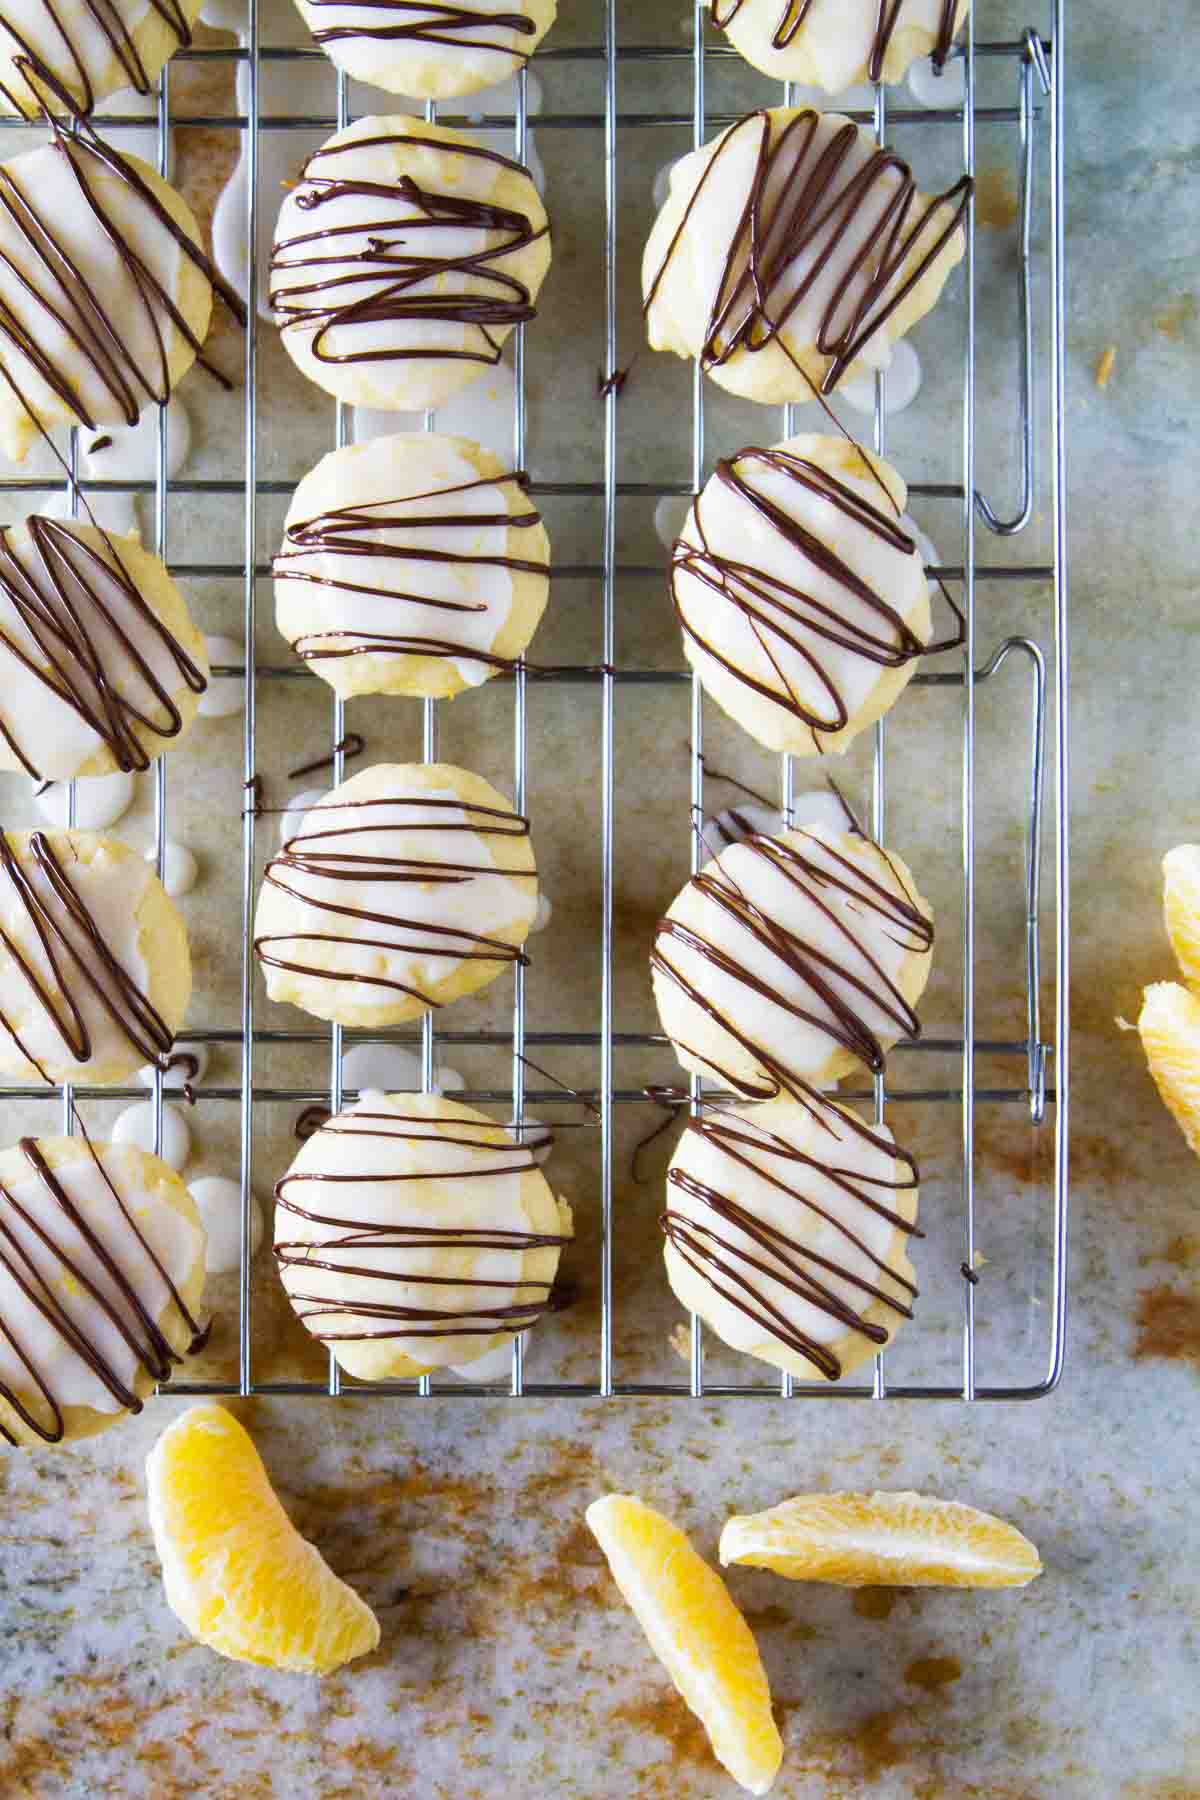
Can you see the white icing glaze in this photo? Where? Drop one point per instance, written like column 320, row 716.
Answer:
column 180, row 868
column 172, row 1239
column 837, row 35
column 292, row 816
column 32, row 29
column 136, row 1126
column 219, row 1203
column 739, row 821
column 385, row 1068
column 496, row 1365
column 900, row 389
column 481, row 57
column 174, row 1079
column 928, row 88
column 225, row 694
column 670, row 517
column 99, row 801
column 543, row 915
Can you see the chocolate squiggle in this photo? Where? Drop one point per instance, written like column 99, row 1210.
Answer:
column 811, row 212
column 795, row 13
column 333, row 867
column 448, row 25
column 730, row 1268
column 59, row 597
column 62, row 77
column 401, row 283
column 361, row 532
column 126, row 1312
column 488, row 1161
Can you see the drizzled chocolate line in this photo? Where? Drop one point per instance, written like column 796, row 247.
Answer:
column 401, row 1321
column 348, row 747
column 447, row 26
column 59, row 289
column 795, row 12
column 71, row 942
column 811, row 212
column 783, row 616
column 729, row 1267
column 58, row 596
column 362, row 532
column 57, row 78
column 127, row 1314
column 399, row 282
column 815, row 969
column 333, row 866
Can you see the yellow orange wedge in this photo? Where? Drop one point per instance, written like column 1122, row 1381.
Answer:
column 236, row 1570
column 1181, row 908
column 872, row 1540
column 696, row 1632
column 1169, row 1023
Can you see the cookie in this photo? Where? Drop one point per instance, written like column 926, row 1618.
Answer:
column 68, row 57
column 101, row 1276
column 433, row 51
column 101, row 666
column 404, row 256
column 791, row 251
column 412, row 1234
column 802, row 599
column 790, row 961
column 105, row 295
column 413, row 564
column 95, row 974
column 834, row 44
column 409, row 886
column 787, row 1228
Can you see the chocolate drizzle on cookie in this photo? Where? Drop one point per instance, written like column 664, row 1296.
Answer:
column 311, row 856
column 68, row 76
column 79, row 959
column 387, row 531
column 88, row 621
column 804, row 200
column 388, row 270
column 795, row 13
column 836, row 993
column 437, row 24
column 714, row 1245
column 66, row 1266
column 347, row 1244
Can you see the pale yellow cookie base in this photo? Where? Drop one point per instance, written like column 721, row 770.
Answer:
column 161, row 1186
column 752, row 27
column 426, row 71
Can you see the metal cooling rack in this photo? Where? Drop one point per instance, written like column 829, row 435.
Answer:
column 1036, row 117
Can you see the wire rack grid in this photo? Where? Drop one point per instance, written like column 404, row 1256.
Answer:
column 1038, row 63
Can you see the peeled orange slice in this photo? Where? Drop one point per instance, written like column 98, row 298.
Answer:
column 1169, row 1023
column 236, row 1570
column 696, row 1632
column 1181, row 908
column 872, row 1540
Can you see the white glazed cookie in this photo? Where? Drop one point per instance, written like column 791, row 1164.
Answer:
column 413, row 1234
column 411, row 885
column 425, row 48
column 100, row 664
column 788, row 962
column 101, row 1275
column 802, row 600
column 827, row 281
column 834, row 44
column 404, row 256
column 95, row 974
column 787, row 1228
column 68, row 55
column 413, row 564
column 101, row 309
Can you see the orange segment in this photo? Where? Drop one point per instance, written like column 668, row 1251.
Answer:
column 236, row 1570
column 1169, row 1023
column 696, row 1632
column 1181, row 908
column 872, row 1540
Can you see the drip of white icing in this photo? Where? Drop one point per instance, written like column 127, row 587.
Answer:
column 225, row 694
column 99, row 801
column 136, row 1126
column 180, row 868
column 219, row 1203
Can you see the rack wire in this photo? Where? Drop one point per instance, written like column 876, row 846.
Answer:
column 1038, row 65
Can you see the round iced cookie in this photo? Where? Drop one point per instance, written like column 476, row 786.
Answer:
column 101, row 1275
column 428, row 50
column 787, row 1230
column 412, row 1234
column 404, row 255
column 95, row 974
column 802, row 599
column 844, row 257
column 100, row 663
column 69, row 56
column 834, row 44
column 102, row 307
column 413, row 564
column 790, row 961
column 411, row 885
